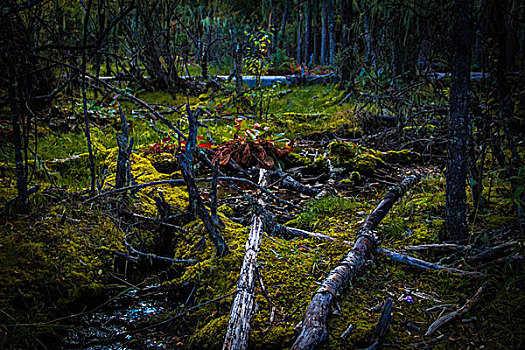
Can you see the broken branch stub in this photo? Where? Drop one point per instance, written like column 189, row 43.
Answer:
column 314, row 330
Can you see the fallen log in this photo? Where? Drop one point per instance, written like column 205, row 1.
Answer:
column 314, row 331
column 242, row 307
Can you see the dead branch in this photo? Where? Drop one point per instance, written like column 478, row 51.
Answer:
column 158, row 257
column 422, row 264
column 314, row 331
column 242, row 307
column 155, row 220
column 458, row 313
column 289, row 183
column 180, row 182
column 491, row 252
column 449, row 246
column 384, row 321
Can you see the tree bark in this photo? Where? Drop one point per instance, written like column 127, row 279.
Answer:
column 242, row 307
column 314, row 330
column 370, row 56
column 458, row 127
column 331, row 32
column 299, row 33
column 324, row 30
column 196, row 204
column 84, row 100
column 307, row 31
column 123, row 176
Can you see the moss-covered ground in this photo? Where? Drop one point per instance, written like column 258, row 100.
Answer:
column 58, row 263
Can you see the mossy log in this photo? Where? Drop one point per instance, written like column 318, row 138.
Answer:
column 242, row 307
column 314, row 330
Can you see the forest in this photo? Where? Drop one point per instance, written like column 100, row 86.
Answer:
column 265, row 174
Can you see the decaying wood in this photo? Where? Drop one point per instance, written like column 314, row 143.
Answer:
column 347, row 331
column 158, row 257
column 123, row 176
column 314, row 331
column 333, row 172
column 422, row 264
column 196, row 203
column 242, row 307
column 384, row 320
column 491, row 252
column 458, row 313
column 289, row 183
column 447, row 246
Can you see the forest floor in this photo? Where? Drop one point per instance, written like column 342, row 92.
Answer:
column 86, row 272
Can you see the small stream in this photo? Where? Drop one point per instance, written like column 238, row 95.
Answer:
column 114, row 325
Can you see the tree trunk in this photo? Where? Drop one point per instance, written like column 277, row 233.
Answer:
column 243, row 304
column 20, row 169
column 299, row 33
column 346, row 21
column 283, row 23
column 370, row 56
column 324, row 31
column 348, row 44
column 123, row 176
column 315, row 32
column 307, row 31
column 314, row 330
column 458, row 127
column 331, row 31
column 196, row 204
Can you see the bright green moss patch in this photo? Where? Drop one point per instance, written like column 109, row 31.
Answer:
column 49, row 266
column 354, row 157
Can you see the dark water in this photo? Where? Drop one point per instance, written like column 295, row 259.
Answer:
column 118, row 323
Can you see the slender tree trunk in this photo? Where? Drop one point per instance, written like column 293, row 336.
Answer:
column 458, row 128
column 315, row 32
column 331, row 31
column 84, row 100
column 348, row 50
column 307, row 31
column 284, row 19
column 346, row 21
column 324, row 31
column 20, row 169
column 370, row 56
column 299, row 33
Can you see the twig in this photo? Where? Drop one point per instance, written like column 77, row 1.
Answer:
column 181, row 182
column 490, row 252
column 458, row 313
column 158, row 257
column 156, row 220
column 186, row 312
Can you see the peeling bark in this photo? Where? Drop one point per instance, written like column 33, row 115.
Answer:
column 243, row 304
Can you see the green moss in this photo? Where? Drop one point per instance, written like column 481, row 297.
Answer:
column 210, row 336
column 293, row 159
column 404, row 156
column 353, row 157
